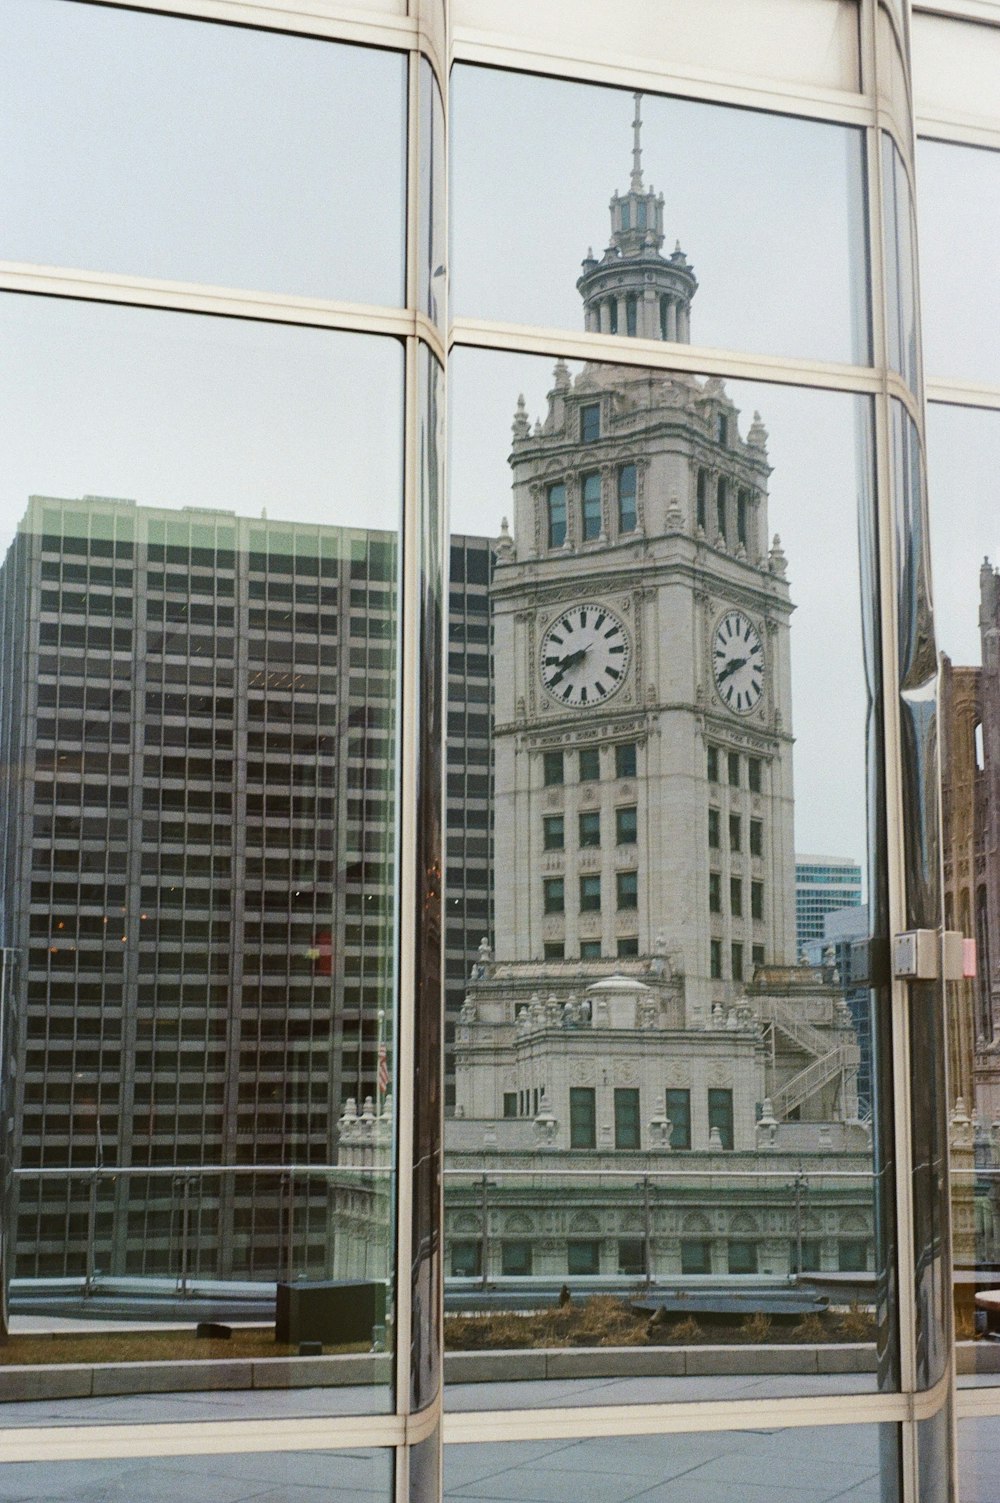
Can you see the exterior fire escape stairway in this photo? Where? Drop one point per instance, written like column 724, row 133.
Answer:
column 829, row 1061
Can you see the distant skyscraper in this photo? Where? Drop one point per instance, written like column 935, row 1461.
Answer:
column 823, row 884
column 846, row 932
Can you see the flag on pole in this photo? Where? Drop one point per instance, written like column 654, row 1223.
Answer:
column 383, row 1071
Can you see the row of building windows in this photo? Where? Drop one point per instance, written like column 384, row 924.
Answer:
column 583, row 1117
column 735, row 1255
column 735, row 896
column 591, row 506
column 734, row 769
column 589, row 828
column 737, row 959
column 723, row 488
column 735, row 833
column 588, row 764
column 626, row 892
column 590, row 949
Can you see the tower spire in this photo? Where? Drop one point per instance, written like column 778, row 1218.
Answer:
column 636, row 184
column 635, row 289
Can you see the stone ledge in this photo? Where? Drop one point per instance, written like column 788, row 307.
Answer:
column 80, row 1381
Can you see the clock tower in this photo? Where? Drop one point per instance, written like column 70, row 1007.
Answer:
column 642, row 727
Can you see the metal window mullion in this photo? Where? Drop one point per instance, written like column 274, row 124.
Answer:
column 698, row 360
column 963, row 393
column 889, row 565
column 408, row 751
column 500, row 50
column 406, row 814
column 323, row 19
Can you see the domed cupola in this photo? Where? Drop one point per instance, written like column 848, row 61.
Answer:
column 634, row 289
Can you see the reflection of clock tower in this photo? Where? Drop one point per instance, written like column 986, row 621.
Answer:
column 643, row 696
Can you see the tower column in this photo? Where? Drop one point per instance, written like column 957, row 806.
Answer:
column 672, row 319
column 604, row 309
column 622, row 314
column 684, row 324
column 649, row 315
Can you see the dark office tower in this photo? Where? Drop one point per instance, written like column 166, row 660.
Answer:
column 469, row 817
column 195, row 729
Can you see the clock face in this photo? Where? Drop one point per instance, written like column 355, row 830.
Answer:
column 738, row 662
column 585, row 653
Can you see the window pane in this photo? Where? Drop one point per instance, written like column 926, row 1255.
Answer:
column 590, row 764
column 625, row 760
column 678, row 1109
column 963, row 447
column 554, row 838
column 202, row 702
column 857, row 1462
column 590, row 828
column 591, row 506
column 672, row 972
column 741, row 184
column 200, row 153
column 626, row 826
column 557, row 515
column 626, row 498
column 582, row 1118
column 356, row 1475
column 626, row 1118
column 959, row 225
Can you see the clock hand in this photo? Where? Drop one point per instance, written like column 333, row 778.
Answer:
column 731, row 668
column 572, row 659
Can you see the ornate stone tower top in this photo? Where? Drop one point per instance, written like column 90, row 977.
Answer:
column 634, row 289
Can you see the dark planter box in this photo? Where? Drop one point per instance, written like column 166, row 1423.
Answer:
column 333, row 1312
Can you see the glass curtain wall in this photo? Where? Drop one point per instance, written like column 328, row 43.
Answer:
column 448, row 934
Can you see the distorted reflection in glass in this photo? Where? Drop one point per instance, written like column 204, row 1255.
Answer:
column 199, row 631
column 850, row 1461
column 900, row 265
column 763, row 213
column 963, row 449
column 959, row 226
column 354, row 1476
column 201, row 153
column 661, row 1074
